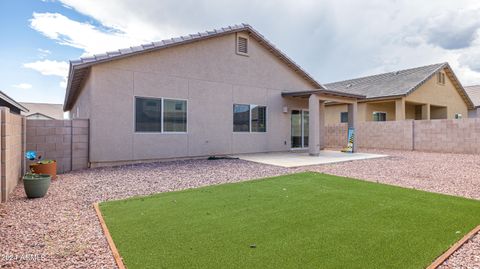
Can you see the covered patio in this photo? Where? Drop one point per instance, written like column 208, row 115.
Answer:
column 316, row 108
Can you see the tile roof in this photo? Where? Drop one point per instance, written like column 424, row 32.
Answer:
column 386, row 84
column 78, row 68
column 396, row 83
column 474, row 94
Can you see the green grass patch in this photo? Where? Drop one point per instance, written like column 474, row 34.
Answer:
column 305, row 220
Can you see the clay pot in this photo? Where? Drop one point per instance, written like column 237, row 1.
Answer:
column 45, row 168
column 36, row 186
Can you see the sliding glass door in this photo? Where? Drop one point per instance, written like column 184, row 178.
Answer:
column 299, row 121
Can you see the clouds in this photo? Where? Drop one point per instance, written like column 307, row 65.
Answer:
column 333, row 40
column 49, row 68
column 22, row 86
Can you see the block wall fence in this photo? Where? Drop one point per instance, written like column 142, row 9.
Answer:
column 12, row 148
column 445, row 136
column 63, row 140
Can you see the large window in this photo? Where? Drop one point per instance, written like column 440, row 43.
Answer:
column 160, row 115
column 379, row 116
column 249, row 118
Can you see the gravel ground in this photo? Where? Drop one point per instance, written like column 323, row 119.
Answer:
column 62, row 231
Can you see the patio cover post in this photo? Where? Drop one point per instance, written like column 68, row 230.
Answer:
column 314, row 125
column 352, row 121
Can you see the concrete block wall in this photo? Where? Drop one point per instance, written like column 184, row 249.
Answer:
column 447, row 136
column 12, row 149
column 66, row 141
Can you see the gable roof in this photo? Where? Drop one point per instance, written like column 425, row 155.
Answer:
column 474, row 94
column 39, row 114
column 396, row 83
column 12, row 102
column 79, row 68
column 54, row 111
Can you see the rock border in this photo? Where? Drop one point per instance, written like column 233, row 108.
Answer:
column 111, row 244
column 441, row 259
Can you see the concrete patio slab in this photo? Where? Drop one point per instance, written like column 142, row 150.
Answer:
column 297, row 159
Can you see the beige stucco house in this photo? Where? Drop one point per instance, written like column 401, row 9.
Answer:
column 474, row 94
column 421, row 93
column 225, row 91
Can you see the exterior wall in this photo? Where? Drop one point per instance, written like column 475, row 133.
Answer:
column 332, row 113
column 66, row 141
column 81, row 108
column 388, row 107
column 12, row 148
column 211, row 77
column 440, row 95
column 449, row 136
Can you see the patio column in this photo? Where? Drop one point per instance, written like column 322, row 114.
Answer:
column 400, row 109
column 426, row 112
column 322, row 124
column 352, row 121
column 314, row 125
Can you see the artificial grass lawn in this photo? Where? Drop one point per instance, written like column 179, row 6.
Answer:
column 305, row 220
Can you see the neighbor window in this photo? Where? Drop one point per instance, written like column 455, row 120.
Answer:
column 249, row 118
column 343, row 117
column 149, row 113
column 174, row 115
column 441, row 78
column 379, row 116
column 458, row 116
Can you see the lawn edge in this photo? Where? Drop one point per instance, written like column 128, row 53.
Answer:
column 116, row 255
column 441, row 259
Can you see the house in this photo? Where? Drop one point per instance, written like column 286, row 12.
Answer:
column 43, row 111
column 474, row 94
column 421, row 93
column 14, row 106
column 225, row 91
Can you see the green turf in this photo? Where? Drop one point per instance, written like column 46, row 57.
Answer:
column 305, row 220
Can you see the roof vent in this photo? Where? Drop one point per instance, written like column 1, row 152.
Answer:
column 242, row 45
column 396, row 73
column 348, row 86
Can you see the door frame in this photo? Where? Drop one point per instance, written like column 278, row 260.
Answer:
column 302, row 126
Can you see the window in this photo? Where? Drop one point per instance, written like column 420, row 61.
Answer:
column 379, row 116
column 242, row 45
column 241, row 118
column 343, row 116
column 174, row 115
column 441, row 78
column 249, row 118
column 160, row 115
column 259, row 118
column 458, row 116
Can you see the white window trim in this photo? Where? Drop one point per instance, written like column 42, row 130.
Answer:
column 161, row 114
column 250, row 119
column 373, row 113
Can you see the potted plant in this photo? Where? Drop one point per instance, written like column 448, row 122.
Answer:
column 36, row 185
column 48, row 167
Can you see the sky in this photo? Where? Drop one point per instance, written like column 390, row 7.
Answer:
column 331, row 39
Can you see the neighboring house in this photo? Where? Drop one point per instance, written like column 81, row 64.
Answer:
column 421, row 93
column 474, row 94
column 14, row 106
column 219, row 92
column 43, row 111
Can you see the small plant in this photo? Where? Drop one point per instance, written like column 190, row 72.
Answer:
column 41, row 166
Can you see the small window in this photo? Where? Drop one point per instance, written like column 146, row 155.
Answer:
column 379, row 116
column 343, row 117
column 249, row 118
column 148, row 115
column 242, row 45
column 458, row 116
column 441, row 78
column 241, row 118
column 174, row 115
